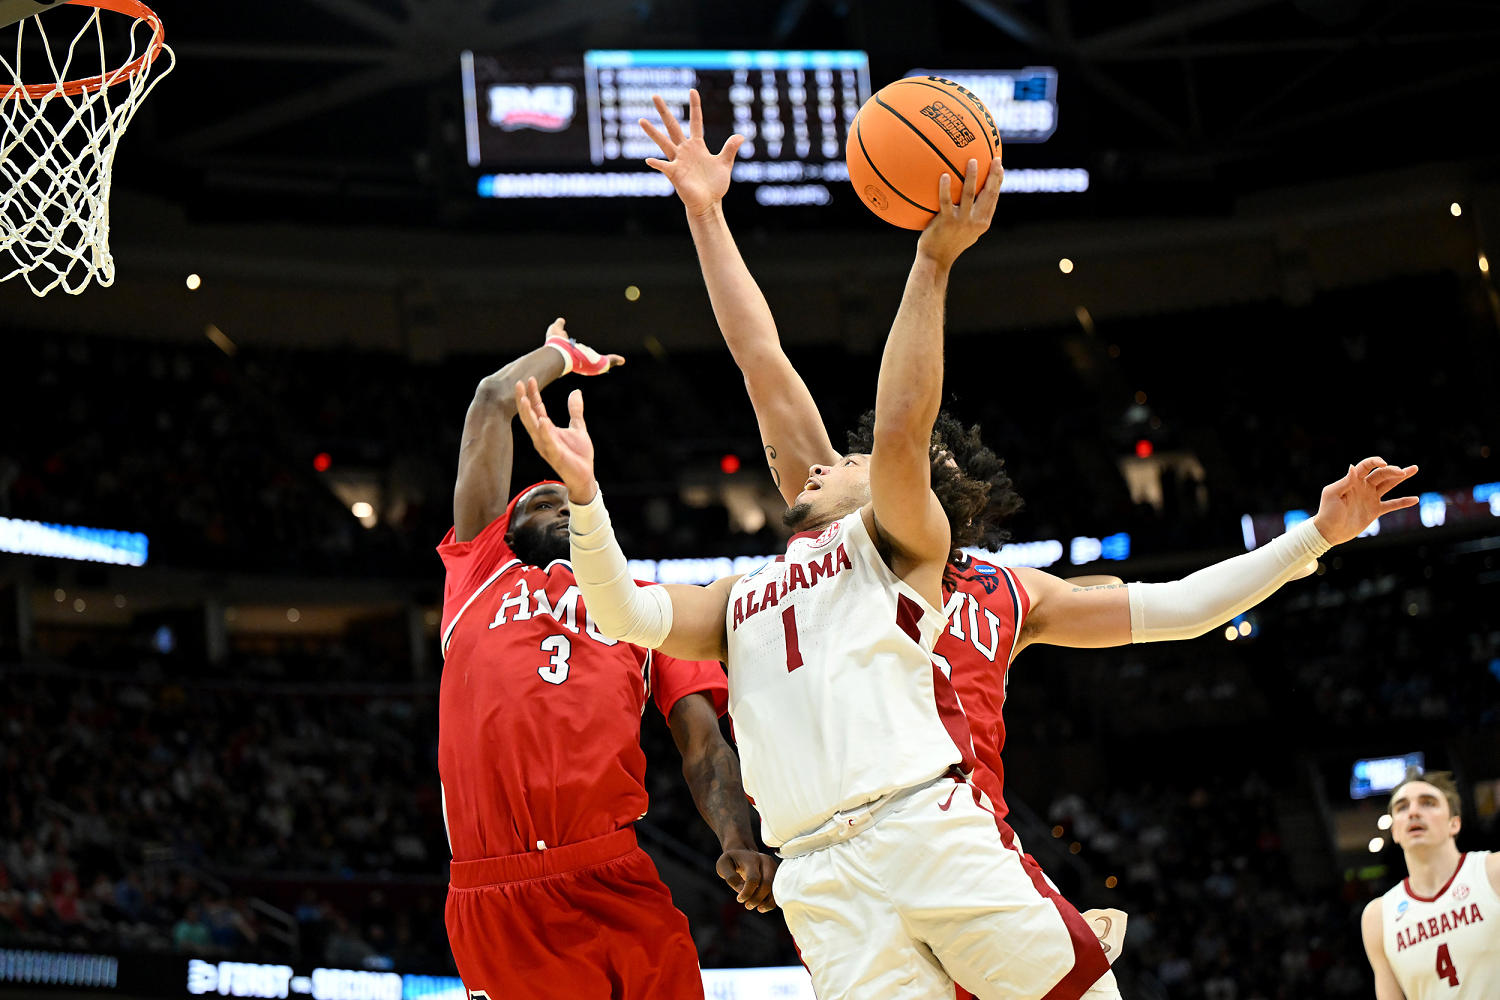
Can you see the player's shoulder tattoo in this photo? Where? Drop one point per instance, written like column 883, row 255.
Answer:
column 1102, row 586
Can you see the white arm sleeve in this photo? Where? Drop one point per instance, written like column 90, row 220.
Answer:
column 1191, row 606
column 619, row 606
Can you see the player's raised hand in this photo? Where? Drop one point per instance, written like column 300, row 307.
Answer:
column 958, row 224
column 1349, row 505
column 578, row 358
column 749, row 874
column 700, row 177
column 567, row 449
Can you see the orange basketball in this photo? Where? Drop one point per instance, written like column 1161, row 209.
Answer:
column 907, row 136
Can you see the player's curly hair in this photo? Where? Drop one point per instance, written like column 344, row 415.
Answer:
column 969, row 479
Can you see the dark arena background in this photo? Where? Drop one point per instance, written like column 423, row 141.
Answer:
column 1242, row 244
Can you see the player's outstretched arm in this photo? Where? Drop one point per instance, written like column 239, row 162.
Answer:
column 1370, row 929
column 712, row 772
column 681, row 621
column 909, row 521
column 1112, row 615
column 486, row 451
column 791, row 429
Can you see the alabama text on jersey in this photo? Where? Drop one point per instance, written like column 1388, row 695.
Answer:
column 1447, row 945
column 835, row 698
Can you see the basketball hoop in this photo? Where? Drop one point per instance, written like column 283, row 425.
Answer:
column 58, row 135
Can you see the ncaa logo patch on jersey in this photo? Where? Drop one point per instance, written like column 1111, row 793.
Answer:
column 986, row 570
column 1402, row 907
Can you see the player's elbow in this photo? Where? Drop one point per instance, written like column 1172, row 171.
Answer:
column 905, row 419
column 497, row 390
column 611, row 625
column 901, row 436
column 631, row 613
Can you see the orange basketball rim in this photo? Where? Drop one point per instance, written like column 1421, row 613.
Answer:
column 60, row 129
column 130, row 8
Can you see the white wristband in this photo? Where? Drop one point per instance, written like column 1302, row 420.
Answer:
column 566, row 355
column 620, row 608
column 1212, row 596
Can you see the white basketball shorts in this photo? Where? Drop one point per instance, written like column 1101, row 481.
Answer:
column 928, row 894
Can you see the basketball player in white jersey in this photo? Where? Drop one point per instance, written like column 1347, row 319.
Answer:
column 1084, row 612
column 1436, row 934
column 896, row 881
column 893, row 882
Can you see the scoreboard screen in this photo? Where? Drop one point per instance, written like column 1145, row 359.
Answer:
column 570, row 125
column 787, row 105
column 548, row 126
column 1378, row 775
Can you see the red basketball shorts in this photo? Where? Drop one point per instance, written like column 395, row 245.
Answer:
column 587, row 920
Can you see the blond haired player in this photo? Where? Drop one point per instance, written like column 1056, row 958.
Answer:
column 1437, row 933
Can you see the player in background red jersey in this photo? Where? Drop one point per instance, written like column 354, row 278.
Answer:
column 539, row 744
column 993, row 612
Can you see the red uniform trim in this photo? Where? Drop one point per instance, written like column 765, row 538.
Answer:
column 448, row 632
column 1089, row 961
column 810, row 532
column 540, row 864
column 953, row 718
column 1018, row 612
column 1406, row 882
column 908, row 617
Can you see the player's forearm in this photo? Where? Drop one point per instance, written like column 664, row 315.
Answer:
column 740, row 308
column 910, row 386
column 620, row 608
column 714, row 779
column 1212, row 596
column 499, row 388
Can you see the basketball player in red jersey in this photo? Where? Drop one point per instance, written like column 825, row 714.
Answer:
column 539, row 745
column 993, row 612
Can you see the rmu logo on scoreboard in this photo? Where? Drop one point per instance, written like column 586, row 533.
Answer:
column 546, row 107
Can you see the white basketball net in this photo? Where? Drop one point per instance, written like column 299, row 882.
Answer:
column 57, row 149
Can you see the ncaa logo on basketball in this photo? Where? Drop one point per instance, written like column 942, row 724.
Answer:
column 950, row 123
column 979, row 106
column 876, row 197
column 546, row 108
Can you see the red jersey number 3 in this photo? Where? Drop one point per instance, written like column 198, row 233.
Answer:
column 561, row 647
